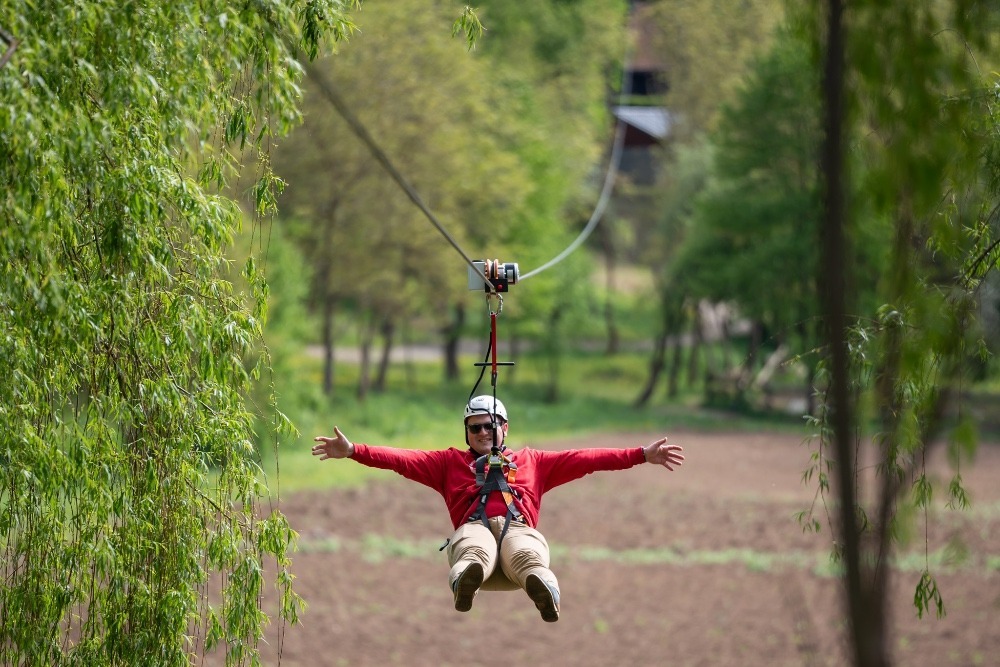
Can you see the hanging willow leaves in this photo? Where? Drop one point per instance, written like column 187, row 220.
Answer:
column 128, row 485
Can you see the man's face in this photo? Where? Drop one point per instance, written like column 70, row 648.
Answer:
column 479, row 434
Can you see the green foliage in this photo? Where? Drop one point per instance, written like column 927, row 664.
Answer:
column 498, row 143
column 708, row 47
column 739, row 205
column 418, row 410
column 469, row 25
column 551, row 60
column 752, row 234
column 437, row 117
column 289, row 329
column 918, row 119
column 926, row 594
column 124, row 343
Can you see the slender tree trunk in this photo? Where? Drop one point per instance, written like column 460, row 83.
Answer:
column 656, row 364
column 554, row 355
column 364, row 371
column 863, row 603
column 697, row 342
column 672, row 314
column 726, row 354
column 753, row 352
column 388, row 330
column 329, row 309
column 452, row 339
column 674, row 373
column 325, row 284
column 411, row 376
column 613, row 344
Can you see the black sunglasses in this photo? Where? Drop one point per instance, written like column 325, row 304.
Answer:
column 476, row 428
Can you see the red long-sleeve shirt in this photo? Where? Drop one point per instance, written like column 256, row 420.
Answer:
column 450, row 472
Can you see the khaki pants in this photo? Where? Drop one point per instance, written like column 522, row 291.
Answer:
column 523, row 551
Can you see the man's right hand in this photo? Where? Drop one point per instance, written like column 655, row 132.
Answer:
column 333, row 448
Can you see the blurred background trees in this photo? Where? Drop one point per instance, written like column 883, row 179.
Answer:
column 498, row 142
column 721, row 231
column 706, row 259
column 437, row 112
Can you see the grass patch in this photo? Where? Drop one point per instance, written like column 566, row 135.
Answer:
column 595, row 393
column 426, row 413
column 376, row 548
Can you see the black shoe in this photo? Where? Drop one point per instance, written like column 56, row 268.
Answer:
column 466, row 586
column 545, row 597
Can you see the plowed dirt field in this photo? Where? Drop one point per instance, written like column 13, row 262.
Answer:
column 702, row 566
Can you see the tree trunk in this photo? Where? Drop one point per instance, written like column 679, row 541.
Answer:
column 554, row 355
column 329, row 309
column 675, row 369
column 388, row 330
column 672, row 314
column 364, row 371
column 613, row 344
column 327, row 293
column 452, row 338
column 697, row 341
column 656, row 364
column 725, row 341
column 411, row 375
column 747, row 374
column 865, row 599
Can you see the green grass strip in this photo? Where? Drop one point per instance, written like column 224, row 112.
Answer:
column 374, row 548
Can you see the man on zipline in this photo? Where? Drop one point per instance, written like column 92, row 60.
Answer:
column 494, row 496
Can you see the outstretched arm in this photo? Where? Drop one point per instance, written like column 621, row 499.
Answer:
column 660, row 453
column 333, row 448
column 426, row 467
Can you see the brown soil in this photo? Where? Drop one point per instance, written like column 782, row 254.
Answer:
column 656, row 568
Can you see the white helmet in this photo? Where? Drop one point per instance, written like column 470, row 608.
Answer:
column 485, row 405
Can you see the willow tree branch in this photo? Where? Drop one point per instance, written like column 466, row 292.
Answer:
column 11, row 43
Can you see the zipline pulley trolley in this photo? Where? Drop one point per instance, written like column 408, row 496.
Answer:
column 495, row 278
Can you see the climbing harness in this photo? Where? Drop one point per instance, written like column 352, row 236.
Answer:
column 496, row 472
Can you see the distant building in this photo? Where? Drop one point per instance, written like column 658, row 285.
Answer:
column 647, row 121
column 648, row 126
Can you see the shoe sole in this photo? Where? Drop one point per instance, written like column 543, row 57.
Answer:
column 543, row 598
column 467, row 585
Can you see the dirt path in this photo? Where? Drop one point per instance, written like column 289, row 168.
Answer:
column 703, row 566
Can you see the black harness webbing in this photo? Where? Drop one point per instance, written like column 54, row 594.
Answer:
column 490, row 477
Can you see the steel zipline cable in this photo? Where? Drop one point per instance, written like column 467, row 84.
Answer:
column 609, row 182
column 359, row 130
column 338, row 103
